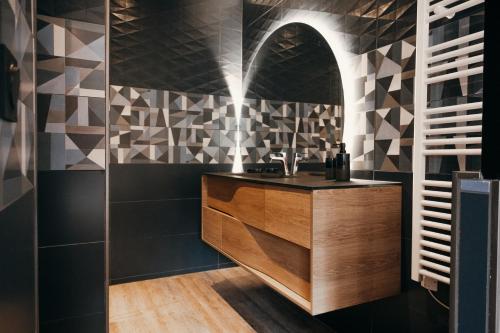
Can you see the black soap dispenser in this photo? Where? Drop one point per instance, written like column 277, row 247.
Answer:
column 330, row 168
column 342, row 165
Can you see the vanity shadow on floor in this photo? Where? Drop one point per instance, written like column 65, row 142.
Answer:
column 224, row 300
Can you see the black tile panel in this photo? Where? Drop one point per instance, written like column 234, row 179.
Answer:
column 71, row 281
column 139, row 182
column 161, row 255
column 362, row 174
column 17, row 266
column 95, row 323
column 397, row 314
column 355, row 319
column 130, row 220
column 157, row 275
column 71, row 207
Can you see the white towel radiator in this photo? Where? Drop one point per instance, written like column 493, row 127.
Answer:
column 440, row 131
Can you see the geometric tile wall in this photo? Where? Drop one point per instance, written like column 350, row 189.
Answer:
column 71, row 94
column 158, row 126
column 385, row 93
column 385, row 108
column 17, row 138
column 393, row 117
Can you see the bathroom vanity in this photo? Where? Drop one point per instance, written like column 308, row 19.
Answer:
column 324, row 245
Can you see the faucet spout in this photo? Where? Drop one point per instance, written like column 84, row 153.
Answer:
column 295, row 162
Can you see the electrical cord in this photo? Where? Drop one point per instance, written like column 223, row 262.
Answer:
column 437, row 300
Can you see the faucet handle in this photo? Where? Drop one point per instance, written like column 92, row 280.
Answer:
column 300, row 157
column 280, row 155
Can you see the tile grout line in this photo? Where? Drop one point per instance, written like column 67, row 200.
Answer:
column 70, row 244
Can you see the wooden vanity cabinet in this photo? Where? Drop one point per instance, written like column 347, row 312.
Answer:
column 322, row 249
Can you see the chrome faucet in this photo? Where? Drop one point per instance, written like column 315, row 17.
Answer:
column 295, row 162
column 281, row 157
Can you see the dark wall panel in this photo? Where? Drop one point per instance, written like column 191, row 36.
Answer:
column 17, row 266
column 92, row 323
column 491, row 119
column 71, row 281
column 155, row 218
column 155, row 221
column 143, row 182
column 71, row 207
column 71, row 250
column 149, row 257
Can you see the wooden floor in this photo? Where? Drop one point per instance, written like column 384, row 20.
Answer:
column 224, row 300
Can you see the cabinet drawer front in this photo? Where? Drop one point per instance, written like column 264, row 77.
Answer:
column 241, row 200
column 288, row 214
column 282, row 260
column 211, row 227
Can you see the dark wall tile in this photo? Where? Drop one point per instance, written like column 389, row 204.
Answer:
column 313, row 167
column 362, row 174
column 355, row 319
column 95, row 323
column 406, row 255
column 71, row 207
column 129, row 220
column 17, row 266
column 71, row 281
column 144, row 257
column 138, row 182
column 397, row 314
column 135, row 278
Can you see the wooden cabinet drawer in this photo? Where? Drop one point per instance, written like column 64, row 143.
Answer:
column 282, row 260
column 288, row 214
column 241, row 200
column 211, row 227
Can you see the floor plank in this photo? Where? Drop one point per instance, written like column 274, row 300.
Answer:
column 224, row 300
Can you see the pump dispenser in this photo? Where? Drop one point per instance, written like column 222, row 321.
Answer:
column 343, row 165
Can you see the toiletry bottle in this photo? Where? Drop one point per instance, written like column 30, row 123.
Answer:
column 343, row 167
column 329, row 167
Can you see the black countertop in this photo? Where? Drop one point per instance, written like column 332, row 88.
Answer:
column 303, row 180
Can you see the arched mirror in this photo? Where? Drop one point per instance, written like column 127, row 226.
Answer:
column 296, row 70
